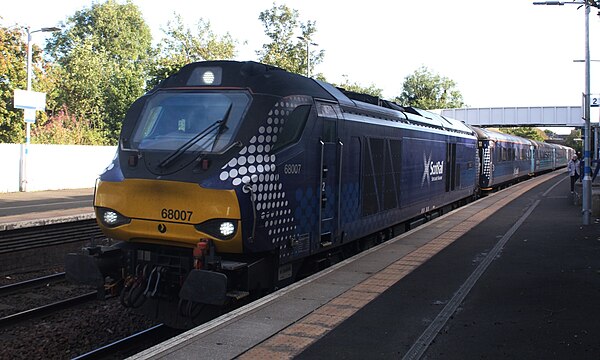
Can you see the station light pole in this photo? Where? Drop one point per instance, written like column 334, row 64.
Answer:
column 308, row 43
column 587, row 170
column 23, row 185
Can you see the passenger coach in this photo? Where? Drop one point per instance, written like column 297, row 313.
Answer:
column 507, row 158
column 504, row 158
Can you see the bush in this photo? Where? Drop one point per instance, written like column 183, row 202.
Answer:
column 65, row 129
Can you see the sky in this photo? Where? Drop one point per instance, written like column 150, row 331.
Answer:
column 499, row 53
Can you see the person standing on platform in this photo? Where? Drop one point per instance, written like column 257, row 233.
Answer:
column 574, row 171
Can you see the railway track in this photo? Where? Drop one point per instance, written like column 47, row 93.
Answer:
column 47, row 309
column 33, row 286
column 131, row 344
column 7, row 289
column 48, row 235
column 67, row 319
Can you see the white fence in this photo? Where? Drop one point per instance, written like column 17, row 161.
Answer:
column 53, row 167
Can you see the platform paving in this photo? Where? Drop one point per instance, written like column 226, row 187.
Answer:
column 37, row 208
column 539, row 298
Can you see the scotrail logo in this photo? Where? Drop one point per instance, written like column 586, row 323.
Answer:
column 431, row 171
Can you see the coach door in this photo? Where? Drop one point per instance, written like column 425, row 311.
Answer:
column 452, row 171
column 330, row 151
column 532, row 159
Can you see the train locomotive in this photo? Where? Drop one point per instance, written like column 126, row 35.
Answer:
column 233, row 179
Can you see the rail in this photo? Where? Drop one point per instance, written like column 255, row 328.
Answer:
column 46, row 309
column 156, row 334
column 7, row 289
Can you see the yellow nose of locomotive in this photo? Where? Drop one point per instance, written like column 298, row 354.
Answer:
column 168, row 213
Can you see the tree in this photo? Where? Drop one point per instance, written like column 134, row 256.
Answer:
column 574, row 140
column 285, row 49
column 102, row 56
column 526, row 132
column 12, row 76
column 549, row 133
column 182, row 46
column 356, row 87
column 426, row 90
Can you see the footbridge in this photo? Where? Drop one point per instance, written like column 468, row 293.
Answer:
column 548, row 116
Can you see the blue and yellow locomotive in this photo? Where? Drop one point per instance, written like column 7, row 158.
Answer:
column 236, row 178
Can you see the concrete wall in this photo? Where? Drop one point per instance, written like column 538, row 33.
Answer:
column 53, row 167
column 10, row 155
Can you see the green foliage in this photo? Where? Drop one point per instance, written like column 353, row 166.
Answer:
column 103, row 60
column 574, row 140
column 426, row 90
column 103, row 54
column 549, row 133
column 182, row 46
column 13, row 75
column 285, row 49
column 526, row 132
column 356, row 87
column 65, row 129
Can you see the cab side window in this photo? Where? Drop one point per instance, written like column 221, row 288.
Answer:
column 293, row 127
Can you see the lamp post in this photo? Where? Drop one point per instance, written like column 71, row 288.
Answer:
column 308, row 43
column 587, row 170
column 23, row 183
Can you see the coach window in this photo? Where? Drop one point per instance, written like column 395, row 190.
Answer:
column 293, row 127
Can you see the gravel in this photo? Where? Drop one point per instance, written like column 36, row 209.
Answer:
column 42, row 295
column 71, row 332
column 66, row 334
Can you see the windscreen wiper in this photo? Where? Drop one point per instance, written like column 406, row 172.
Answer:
column 219, row 124
column 222, row 126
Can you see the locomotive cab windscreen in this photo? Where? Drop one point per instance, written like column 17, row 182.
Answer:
column 176, row 122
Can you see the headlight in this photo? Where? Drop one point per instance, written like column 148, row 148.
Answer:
column 111, row 218
column 203, row 76
column 227, row 228
column 223, row 229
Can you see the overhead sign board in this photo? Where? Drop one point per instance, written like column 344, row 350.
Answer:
column 30, row 100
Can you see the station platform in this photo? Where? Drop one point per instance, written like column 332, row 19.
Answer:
column 28, row 209
column 514, row 275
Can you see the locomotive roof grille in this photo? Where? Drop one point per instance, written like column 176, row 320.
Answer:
column 411, row 115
